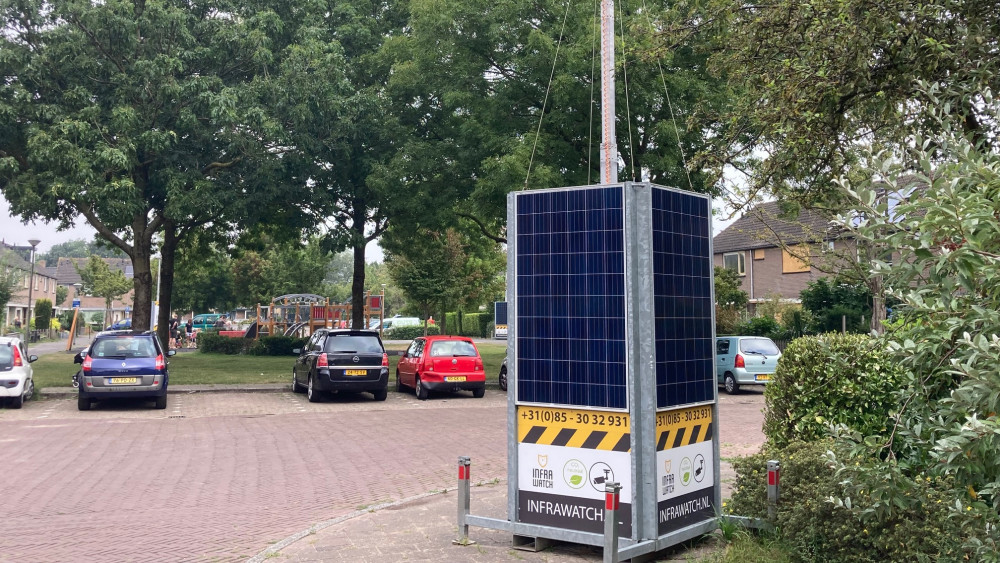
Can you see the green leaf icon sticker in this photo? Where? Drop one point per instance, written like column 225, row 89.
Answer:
column 576, row 480
column 687, row 475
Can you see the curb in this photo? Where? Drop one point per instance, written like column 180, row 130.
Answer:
column 274, row 549
column 70, row 392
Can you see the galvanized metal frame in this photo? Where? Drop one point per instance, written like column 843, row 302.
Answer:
column 640, row 377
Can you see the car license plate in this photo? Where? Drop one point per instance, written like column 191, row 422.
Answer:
column 123, row 380
column 763, row 377
column 355, row 372
column 455, row 378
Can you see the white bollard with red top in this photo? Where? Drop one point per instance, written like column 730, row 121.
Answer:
column 773, row 488
column 464, row 466
column 612, row 494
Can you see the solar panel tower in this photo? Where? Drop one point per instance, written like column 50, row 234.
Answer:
column 499, row 319
column 611, row 364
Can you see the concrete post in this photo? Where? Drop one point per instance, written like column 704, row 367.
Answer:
column 611, row 503
column 773, row 488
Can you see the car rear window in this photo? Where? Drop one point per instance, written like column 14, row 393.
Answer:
column 353, row 344
column 453, row 348
column 759, row 346
column 123, row 347
column 6, row 356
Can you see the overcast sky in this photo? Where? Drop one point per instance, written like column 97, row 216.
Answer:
column 13, row 231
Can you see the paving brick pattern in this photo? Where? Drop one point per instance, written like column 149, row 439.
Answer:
column 219, row 477
column 128, row 483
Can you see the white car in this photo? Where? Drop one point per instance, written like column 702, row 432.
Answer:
column 16, row 382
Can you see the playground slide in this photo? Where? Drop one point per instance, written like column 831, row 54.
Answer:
column 294, row 328
column 251, row 331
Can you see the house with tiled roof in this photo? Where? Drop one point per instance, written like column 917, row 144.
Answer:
column 776, row 255
column 42, row 285
column 67, row 275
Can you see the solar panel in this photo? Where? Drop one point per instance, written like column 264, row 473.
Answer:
column 570, row 276
column 499, row 312
column 682, row 294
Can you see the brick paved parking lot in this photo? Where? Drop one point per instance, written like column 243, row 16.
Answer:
column 219, row 477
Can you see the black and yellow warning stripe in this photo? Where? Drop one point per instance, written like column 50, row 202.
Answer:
column 683, row 427
column 572, row 428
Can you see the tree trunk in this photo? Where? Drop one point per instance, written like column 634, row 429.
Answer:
column 142, row 279
column 358, row 282
column 168, row 253
column 878, row 304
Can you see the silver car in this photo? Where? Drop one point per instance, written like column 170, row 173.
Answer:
column 745, row 360
column 17, row 383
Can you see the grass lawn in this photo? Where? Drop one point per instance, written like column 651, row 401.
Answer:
column 190, row 368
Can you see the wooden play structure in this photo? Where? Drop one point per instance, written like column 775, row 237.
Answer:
column 300, row 314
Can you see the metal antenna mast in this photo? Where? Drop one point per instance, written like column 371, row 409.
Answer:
column 609, row 146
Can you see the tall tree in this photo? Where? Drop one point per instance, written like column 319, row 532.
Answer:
column 80, row 248
column 100, row 280
column 10, row 279
column 142, row 116
column 472, row 81
column 821, row 81
column 340, row 127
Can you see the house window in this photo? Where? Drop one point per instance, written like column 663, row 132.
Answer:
column 735, row 261
column 758, row 254
column 795, row 259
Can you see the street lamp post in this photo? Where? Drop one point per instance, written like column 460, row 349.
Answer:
column 381, row 322
column 31, row 286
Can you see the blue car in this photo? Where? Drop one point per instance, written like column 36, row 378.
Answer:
column 124, row 324
column 122, row 364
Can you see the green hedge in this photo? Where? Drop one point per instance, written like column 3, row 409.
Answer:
column 831, row 378
column 409, row 332
column 815, row 528
column 474, row 325
column 212, row 343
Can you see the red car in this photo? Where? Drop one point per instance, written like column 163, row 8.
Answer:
column 441, row 363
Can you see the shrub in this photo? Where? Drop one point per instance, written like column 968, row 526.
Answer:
column 760, row 326
column 409, row 332
column 451, row 320
column 471, row 325
column 277, row 345
column 43, row 314
column 830, row 379
column 211, row 342
column 817, row 528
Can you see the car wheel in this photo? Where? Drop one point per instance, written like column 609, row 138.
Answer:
column 479, row 393
column 161, row 402
column 296, row 388
column 419, row 390
column 503, row 379
column 399, row 383
column 83, row 403
column 381, row 394
column 731, row 386
column 16, row 402
column 311, row 393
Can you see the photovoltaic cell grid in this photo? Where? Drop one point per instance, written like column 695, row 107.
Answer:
column 570, row 293
column 499, row 313
column 682, row 293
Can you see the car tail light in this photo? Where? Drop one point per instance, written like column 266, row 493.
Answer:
column 88, row 362
column 740, row 363
column 479, row 364
column 17, row 358
column 160, row 364
column 321, row 361
column 385, row 360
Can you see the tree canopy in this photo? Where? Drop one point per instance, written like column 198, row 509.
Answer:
column 142, row 116
column 820, row 81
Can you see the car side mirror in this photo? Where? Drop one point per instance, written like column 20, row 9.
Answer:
column 171, row 353
column 296, row 351
column 78, row 359
column 32, row 358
